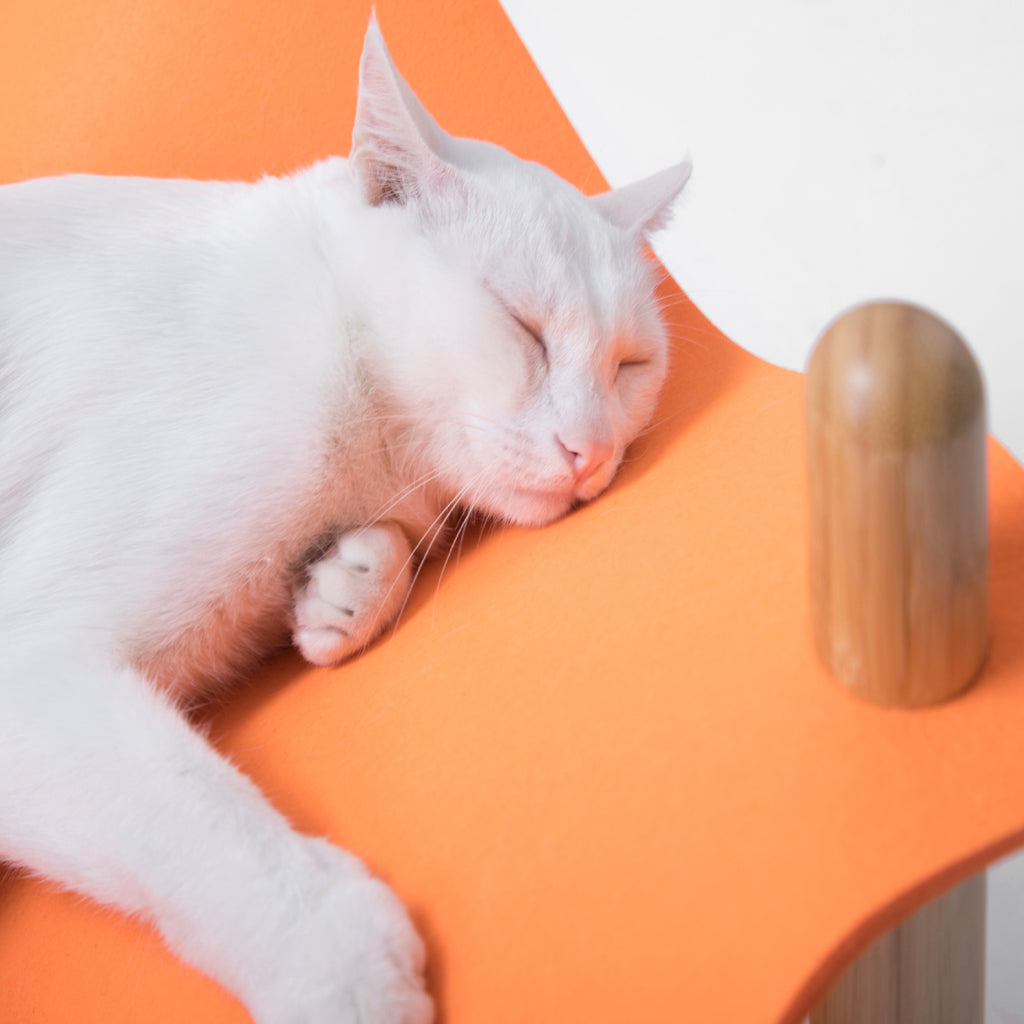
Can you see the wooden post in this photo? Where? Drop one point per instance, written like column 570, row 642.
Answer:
column 899, row 581
column 928, row 970
column 898, row 515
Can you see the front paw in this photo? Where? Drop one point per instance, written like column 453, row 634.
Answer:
column 353, row 957
column 351, row 594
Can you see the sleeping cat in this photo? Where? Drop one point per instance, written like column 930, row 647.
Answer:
column 234, row 411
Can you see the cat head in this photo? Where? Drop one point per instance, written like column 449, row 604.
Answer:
column 541, row 353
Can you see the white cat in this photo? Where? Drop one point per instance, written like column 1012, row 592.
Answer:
column 231, row 410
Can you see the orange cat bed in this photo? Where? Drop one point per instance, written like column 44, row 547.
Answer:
column 599, row 761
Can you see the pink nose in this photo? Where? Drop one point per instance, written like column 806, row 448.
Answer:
column 586, row 455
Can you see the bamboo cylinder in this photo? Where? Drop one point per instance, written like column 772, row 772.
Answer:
column 898, row 506
column 928, row 970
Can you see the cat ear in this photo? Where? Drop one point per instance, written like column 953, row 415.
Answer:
column 645, row 206
column 397, row 146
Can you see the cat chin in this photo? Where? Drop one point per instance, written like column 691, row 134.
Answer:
column 527, row 507
column 522, row 505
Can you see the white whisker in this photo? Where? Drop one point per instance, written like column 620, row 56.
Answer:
column 431, row 535
column 405, row 492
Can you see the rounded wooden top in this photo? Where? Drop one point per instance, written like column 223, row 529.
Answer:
column 893, row 375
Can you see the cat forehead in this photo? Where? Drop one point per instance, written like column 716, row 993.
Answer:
column 561, row 260
column 529, row 223
column 523, row 186
column 542, row 247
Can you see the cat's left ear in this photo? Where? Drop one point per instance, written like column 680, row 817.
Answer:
column 645, row 206
column 397, row 147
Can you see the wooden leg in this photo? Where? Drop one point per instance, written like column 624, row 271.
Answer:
column 928, row 970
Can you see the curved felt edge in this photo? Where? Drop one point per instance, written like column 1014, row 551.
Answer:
column 599, row 761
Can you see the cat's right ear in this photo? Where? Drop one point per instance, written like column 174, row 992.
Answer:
column 397, row 147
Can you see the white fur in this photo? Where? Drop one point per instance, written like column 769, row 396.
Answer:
column 233, row 410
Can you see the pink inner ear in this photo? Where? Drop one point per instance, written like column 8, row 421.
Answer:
column 645, row 206
column 396, row 144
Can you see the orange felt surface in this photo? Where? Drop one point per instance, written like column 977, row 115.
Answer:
column 599, row 761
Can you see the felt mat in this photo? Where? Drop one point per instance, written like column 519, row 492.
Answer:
column 599, row 761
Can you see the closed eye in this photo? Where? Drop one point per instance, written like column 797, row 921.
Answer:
column 535, row 335
column 631, row 365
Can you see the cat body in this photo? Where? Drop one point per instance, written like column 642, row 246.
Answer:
column 230, row 412
column 200, row 414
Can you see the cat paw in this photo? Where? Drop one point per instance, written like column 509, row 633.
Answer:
column 354, row 959
column 351, row 594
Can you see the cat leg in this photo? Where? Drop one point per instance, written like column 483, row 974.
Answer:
column 105, row 788
column 353, row 593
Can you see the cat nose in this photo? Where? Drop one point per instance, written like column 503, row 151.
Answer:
column 586, row 455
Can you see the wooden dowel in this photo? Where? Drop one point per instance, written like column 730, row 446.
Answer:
column 899, row 589
column 928, row 970
column 898, row 505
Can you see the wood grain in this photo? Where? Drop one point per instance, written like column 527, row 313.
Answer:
column 928, row 970
column 898, row 505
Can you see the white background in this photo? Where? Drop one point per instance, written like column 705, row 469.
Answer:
column 844, row 150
